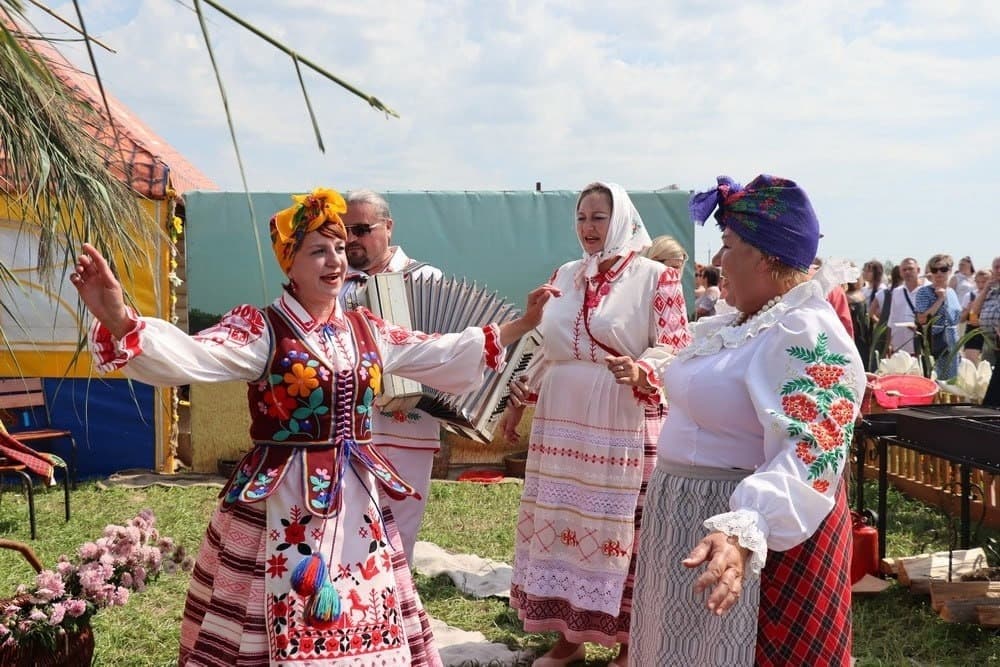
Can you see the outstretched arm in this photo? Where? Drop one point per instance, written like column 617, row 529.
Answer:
column 510, row 332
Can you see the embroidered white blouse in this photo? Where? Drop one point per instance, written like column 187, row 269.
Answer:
column 776, row 396
column 237, row 348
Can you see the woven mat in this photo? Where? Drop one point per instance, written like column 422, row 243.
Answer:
column 478, row 577
column 139, row 479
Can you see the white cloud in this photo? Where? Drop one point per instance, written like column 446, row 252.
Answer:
column 843, row 96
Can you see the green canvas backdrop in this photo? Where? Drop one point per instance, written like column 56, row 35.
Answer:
column 510, row 241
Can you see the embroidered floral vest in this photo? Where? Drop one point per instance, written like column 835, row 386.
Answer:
column 302, row 406
column 300, row 400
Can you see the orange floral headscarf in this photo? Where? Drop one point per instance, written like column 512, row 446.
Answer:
column 310, row 212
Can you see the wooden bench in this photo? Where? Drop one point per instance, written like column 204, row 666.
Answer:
column 24, row 398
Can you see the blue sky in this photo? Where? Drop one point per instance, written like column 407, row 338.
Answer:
column 888, row 114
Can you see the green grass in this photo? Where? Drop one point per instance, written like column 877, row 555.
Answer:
column 893, row 628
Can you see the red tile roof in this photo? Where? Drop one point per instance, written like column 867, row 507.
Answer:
column 143, row 159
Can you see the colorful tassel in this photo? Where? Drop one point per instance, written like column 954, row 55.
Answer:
column 309, row 575
column 323, row 608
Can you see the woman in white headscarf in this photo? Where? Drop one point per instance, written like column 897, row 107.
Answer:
column 596, row 380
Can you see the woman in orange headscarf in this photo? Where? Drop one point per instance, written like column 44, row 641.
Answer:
column 300, row 563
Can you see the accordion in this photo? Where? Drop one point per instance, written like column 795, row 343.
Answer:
column 446, row 305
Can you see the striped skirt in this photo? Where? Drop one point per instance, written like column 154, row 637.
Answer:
column 796, row 613
column 225, row 622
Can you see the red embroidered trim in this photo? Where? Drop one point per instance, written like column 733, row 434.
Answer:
column 111, row 354
column 394, row 334
column 652, row 398
column 571, row 452
column 493, row 353
column 648, row 397
column 651, row 376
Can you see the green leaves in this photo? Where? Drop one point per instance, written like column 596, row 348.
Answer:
column 800, row 384
column 825, row 461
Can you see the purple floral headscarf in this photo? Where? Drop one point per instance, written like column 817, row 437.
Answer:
column 772, row 214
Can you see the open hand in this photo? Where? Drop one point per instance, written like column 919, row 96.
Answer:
column 100, row 291
column 727, row 562
column 535, row 303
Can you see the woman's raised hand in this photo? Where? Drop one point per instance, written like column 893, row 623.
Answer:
column 535, row 303
column 100, row 291
column 532, row 317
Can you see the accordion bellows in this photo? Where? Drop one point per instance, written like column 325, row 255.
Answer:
column 447, row 305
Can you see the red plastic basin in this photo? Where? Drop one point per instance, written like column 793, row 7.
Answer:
column 481, row 476
column 898, row 391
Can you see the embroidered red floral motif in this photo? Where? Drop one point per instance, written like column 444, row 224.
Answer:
column 278, row 403
column 842, row 411
column 279, row 609
column 295, row 533
column 594, row 295
column 568, row 537
column 241, row 325
column 825, row 376
column 613, row 548
column 276, row 566
column 799, row 406
column 818, row 410
column 827, row 434
column 804, row 451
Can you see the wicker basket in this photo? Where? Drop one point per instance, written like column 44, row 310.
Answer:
column 76, row 649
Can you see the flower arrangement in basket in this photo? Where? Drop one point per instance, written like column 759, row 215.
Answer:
column 48, row 623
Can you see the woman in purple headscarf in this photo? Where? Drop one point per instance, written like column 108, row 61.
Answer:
column 748, row 478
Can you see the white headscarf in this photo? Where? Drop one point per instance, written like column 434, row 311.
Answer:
column 626, row 233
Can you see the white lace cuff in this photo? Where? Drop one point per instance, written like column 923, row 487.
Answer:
column 750, row 528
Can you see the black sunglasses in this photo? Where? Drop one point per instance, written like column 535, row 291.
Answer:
column 940, row 269
column 363, row 229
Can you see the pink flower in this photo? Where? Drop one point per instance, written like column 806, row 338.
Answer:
column 104, row 574
column 49, row 585
column 75, row 607
column 119, row 597
column 89, row 551
column 58, row 612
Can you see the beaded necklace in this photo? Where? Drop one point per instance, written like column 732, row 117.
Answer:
column 744, row 318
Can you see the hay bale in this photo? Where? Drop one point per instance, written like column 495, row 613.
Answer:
column 220, row 424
